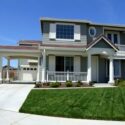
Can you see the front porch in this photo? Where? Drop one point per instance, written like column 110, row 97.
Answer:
column 84, row 67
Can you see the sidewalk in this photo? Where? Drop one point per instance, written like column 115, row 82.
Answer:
column 15, row 118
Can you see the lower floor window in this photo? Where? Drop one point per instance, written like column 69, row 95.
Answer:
column 64, row 63
column 117, row 68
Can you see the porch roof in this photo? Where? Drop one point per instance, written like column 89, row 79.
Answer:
column 63, row 45
column 30, row 42
column 19, row 51
column 18, row 47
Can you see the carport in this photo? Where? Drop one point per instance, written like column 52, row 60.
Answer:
column 19, row 52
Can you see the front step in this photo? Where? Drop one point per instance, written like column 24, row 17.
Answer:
column 103, row 85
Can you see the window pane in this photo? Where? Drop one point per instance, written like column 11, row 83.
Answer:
column 65, row 31
column 64, row 64
column 109, row 36
column 59, row 63
column 115, row 38
column 69, row 64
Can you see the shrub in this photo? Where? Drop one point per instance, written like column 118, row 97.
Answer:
column 78, row 84
column 117, row 82
column 46, row 84
column 38, row 85
column 55, row 84
column 120, row 82
column 92, row 83
column 69, row 83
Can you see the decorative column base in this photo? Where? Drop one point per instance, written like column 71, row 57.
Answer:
column 88, row 82
column 111, row 82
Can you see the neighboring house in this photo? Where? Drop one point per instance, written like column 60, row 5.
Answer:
column 70, row 50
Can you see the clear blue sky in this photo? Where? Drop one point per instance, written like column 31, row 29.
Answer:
column 19, row 19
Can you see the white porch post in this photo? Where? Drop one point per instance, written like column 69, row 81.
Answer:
column 38, row 71
column 0, row 69
column 111, row 71
column 89, row 70
column 18, row 73
column 8, row 66
column 43, row 61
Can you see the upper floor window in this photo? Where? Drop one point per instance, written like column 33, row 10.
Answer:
column 114, row 37
column 92, row 31
column 64, row 31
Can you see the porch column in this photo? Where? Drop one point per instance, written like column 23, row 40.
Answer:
column 18, row 72
column 0, row 69
column 89, row 70
column 43, row 61
column 8, row 66
column 38, row 71
column 111, row 71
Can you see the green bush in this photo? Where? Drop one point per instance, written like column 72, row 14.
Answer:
column 69, row 83
column 38, row 85
column 117, row 82
column 92, row 83
column 120, row 82
column 79, row 83
column 55, row 84
column 46, row 84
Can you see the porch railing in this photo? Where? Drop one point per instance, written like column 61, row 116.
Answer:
column 63, row 76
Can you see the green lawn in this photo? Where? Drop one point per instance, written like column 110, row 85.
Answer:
column 91, row 103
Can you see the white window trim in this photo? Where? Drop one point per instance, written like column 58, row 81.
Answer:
column 66, row 24
column 94, row 31
column 112, row 34
column 119, row 75
column 65, row 40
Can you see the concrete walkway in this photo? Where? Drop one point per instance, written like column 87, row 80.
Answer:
column 15, row 118
column 12, row 96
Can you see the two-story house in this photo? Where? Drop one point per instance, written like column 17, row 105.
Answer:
column 70, row 50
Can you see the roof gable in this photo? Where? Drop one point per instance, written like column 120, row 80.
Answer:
column 102, row 42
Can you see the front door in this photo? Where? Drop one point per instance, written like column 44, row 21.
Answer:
column 95, row 68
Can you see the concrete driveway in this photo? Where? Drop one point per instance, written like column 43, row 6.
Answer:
column 15, row 118
column 12, row 96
